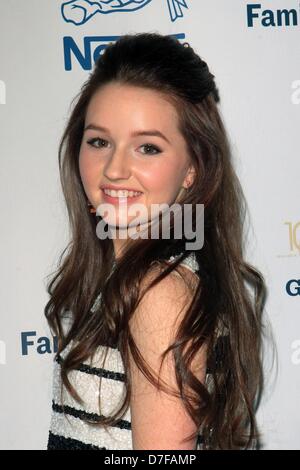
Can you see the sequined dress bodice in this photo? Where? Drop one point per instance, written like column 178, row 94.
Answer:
column 68, row 430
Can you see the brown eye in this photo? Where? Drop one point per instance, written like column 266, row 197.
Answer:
column 96, row 139
column 152, row 147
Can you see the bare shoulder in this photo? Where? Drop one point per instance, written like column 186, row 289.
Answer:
column 163, row 304
column 159, row 420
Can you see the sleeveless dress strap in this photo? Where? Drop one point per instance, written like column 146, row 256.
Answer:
column 189, row 262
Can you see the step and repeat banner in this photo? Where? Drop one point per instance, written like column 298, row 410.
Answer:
column 47, row 50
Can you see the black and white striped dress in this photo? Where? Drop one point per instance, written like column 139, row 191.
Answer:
column 67, row 429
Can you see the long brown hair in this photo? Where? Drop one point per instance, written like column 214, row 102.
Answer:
column 231, row 295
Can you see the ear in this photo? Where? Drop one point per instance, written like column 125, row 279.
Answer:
column 189, row 177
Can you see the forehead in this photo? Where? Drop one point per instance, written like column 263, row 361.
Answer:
column 115, row 101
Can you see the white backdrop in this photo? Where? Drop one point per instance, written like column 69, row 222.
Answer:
column 254, row 53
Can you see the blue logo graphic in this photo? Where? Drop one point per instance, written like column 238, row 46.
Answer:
column 42, row 345
column 293, row 287
column 274, row 18
column 79, row 12
column 92, row 48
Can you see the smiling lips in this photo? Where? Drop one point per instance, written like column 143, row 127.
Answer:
column 121, row 193
column 119, row 197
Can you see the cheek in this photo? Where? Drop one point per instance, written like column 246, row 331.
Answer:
column 88, row 169
column 163, row 179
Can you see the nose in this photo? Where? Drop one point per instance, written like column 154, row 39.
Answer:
column 118, row 166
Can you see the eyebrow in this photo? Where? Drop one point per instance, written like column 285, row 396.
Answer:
column 150, row 132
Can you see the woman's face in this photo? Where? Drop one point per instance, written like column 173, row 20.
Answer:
column 119, row 148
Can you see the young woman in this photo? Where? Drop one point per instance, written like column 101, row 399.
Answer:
column 159, row 346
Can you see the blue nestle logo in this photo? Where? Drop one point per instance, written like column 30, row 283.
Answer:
column 78, row 12
column 257, row 16
column 93, row 46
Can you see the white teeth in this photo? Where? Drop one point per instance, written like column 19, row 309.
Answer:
column 123, row 193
